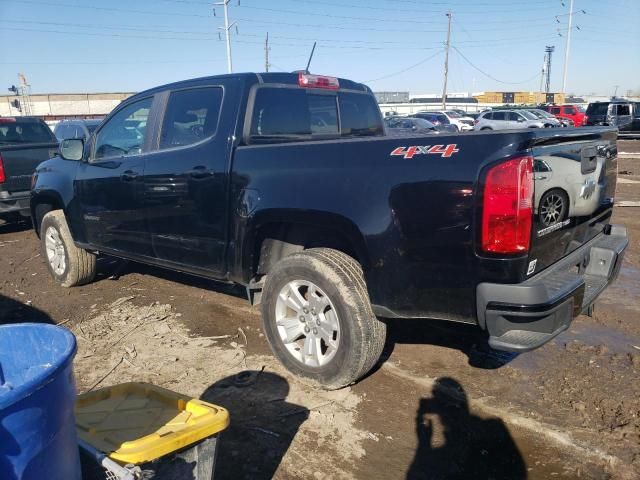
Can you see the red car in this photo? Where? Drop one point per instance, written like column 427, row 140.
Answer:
column 572, row 112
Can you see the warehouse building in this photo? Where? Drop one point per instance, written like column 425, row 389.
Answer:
column 60, row 106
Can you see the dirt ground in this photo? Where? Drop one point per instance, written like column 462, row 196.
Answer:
column 438, row 405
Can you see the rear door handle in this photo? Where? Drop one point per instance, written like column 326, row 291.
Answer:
column 200, row 172
column 129, row 176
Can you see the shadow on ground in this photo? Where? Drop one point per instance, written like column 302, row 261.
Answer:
column 455, row 444
column 263, row 424
column 12, row 311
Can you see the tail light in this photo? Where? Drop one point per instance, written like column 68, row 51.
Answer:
column 507, row 207
column 318, row 81
column 2, row 176
column 585, row 119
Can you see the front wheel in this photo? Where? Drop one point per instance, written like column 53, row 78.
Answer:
column 68, row 264
column 318, row 319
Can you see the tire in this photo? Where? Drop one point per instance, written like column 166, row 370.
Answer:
column 553, row 207
column 333, row 283
column 69, row 265
column 486, row 128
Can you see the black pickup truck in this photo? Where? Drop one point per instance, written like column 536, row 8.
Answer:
column 287, row 184
column 24, row 143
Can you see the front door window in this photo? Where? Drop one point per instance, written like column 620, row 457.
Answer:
column 125, row 133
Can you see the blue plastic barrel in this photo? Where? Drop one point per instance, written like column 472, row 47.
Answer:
column 37, row 396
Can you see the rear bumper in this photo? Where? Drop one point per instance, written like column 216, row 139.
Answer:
column 14, row 202
column 525, row 316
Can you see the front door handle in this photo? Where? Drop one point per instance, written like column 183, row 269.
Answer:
column 200, row 172
column 129, row 176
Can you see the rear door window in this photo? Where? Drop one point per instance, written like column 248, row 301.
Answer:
column 191, row 116
column 555, row 110
column 569, row 111
column 499, row 116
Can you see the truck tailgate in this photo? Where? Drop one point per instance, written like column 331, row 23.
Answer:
column 20, row 161
column 575, row 176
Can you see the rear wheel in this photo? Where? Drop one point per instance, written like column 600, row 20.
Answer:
column 68, row 264
column 486, row 128
column 318, row 319
column 553, row 208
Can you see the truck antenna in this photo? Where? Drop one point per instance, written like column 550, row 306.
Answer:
column 313, row 49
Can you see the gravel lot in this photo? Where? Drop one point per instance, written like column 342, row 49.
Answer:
column 437, row 406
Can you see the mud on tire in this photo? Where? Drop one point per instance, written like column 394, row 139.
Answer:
column 337, row 280
column 69, row 265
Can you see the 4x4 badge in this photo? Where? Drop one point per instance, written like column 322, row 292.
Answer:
column 445, row 151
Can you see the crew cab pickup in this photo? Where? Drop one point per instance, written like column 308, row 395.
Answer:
column 287, row 184
column 24, row 143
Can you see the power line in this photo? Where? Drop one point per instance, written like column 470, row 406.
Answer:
column 488, row 75
column 424, row 60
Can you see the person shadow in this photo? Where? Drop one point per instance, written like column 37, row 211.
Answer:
column 263, row 424
column 455, row 444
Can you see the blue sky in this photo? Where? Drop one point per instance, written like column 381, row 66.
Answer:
column 118, row 45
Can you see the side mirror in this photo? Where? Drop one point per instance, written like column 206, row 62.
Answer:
column 72, row 149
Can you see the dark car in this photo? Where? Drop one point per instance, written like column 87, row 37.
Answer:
column 75, row 129
column 407, row 125
column 24, row 143
column 287, row 184
column 440, row 120
column 620, row 113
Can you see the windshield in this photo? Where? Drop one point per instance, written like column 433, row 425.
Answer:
column 537, row 113
column 25, row 131
column 528, row 115
column 542, row 114
column 452, row 114
column 422, row 123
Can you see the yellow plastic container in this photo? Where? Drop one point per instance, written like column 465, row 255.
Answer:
column 140, row 422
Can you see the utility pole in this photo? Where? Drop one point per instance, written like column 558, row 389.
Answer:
column 568, row 46
column 266, row 54
column 615, row 93
column 226, row 29
column 446, row 63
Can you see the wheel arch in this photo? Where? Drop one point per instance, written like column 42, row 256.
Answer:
column 41, row 203
column 274, row 235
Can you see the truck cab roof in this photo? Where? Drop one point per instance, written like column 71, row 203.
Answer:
column 283, row 78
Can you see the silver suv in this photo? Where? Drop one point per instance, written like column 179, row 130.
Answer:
column 507, row 119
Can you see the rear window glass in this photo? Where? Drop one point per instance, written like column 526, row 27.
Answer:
column 359, row 115
column 597, row 108
column 289, row 114
column 623, row 110
column 25, row 132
